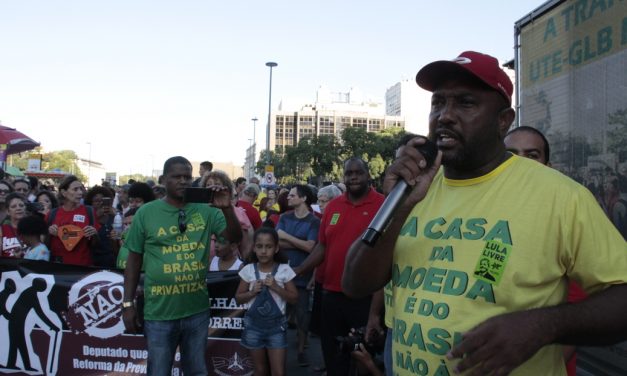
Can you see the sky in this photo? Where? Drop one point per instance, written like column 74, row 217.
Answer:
column 131, row 83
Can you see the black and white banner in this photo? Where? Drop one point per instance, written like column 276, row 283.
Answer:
column 67, row 320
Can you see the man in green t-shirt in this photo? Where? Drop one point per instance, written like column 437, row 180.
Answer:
column 170, row 239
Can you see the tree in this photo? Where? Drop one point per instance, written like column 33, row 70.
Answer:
column 62, row 160
column 317, row 152
column 377, row 166
column 318, row 158
column 357, row 142
column 137, row 177
column 617, row 138
column 260, row 168
column 387, row 143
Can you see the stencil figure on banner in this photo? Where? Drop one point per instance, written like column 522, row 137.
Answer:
column 27, row 307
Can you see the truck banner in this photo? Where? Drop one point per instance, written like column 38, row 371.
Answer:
column 67, row 320
column 572, row 73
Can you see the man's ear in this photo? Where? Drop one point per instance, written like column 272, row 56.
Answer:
column 505, row 119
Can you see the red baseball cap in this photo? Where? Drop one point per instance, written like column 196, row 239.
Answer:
column 484, row 67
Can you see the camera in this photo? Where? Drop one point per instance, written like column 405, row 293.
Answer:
column 199, row 195
column 34, row 207
column 350, row 343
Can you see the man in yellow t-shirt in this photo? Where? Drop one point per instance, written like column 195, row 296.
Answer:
column 480, row 252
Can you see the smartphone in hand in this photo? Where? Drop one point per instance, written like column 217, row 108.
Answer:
column 199, row 195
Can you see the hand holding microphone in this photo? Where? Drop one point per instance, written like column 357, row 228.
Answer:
column 415, row 159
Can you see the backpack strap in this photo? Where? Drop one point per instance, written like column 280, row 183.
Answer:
column 256, row 270
column 272, row 273
column 90, row 214
column 51, row 216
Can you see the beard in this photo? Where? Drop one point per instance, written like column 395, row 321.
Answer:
column 472, row 153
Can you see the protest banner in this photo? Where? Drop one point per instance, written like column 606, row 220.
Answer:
column 60, row 319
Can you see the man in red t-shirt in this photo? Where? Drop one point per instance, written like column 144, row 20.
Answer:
column 344, row 220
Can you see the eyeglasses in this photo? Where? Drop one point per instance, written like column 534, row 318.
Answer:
column 182, row 224
column 4, row 191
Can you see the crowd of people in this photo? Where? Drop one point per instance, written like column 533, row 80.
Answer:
column 70, row 223
column 492, row 264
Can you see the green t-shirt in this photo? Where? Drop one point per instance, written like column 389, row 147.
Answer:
column 122, row 257
column 175, row 264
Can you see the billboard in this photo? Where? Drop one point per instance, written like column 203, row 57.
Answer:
column 572, row 84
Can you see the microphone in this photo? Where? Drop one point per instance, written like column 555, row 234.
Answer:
column 382, row 219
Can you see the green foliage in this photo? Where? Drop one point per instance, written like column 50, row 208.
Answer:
column 319, row 158
column 377, row 166
column 137, row 177
column 357, row 142
column 64, row 160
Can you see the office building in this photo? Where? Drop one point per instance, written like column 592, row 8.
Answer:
column 331, row 113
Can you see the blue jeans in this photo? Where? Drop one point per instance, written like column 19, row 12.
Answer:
column 162, row 337
column 387, row 353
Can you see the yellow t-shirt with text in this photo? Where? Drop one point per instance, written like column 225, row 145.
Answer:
column 503, row 242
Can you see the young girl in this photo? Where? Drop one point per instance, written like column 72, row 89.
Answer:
column 226, row 256
column 30, row 230
column 266, row 286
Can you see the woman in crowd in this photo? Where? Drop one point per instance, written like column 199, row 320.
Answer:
column 273, row 196
column 16, row 209
column 48, row 201
column 268, row 207
column 72, row 212
column 101, row 199
column 5, row 188
column 219, row 178
column 139, row 194
column 159, row 191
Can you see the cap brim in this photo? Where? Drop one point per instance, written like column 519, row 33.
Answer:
column 431, row 75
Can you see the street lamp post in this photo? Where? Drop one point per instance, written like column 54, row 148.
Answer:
column 250, row 157
column 89, row 166
column 254, row 129
column 271, row 65
column 254, row 151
